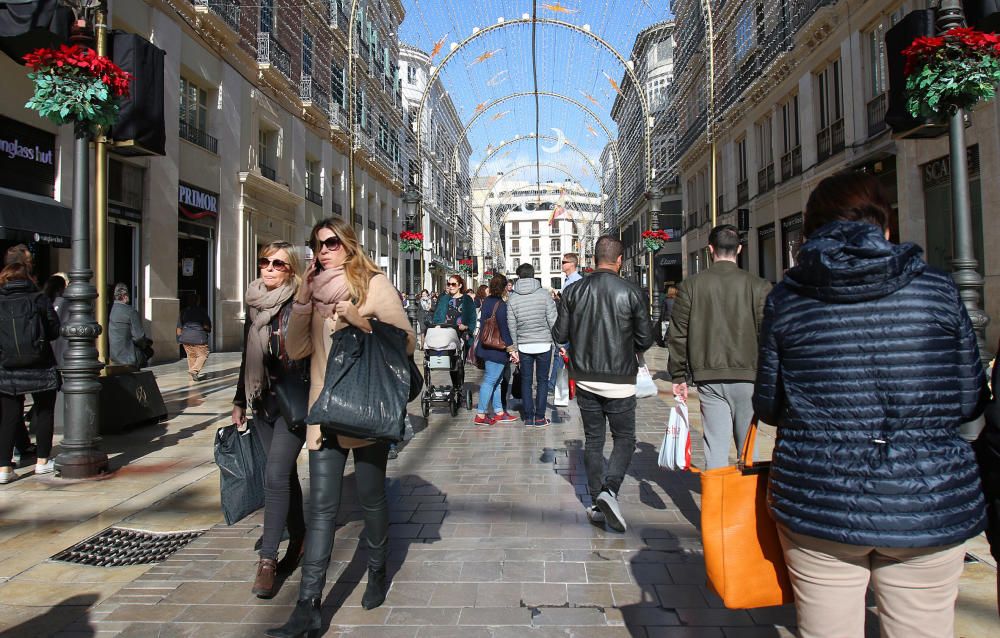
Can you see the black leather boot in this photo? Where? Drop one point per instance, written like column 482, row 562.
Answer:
column 377, row 588
column 304, row 621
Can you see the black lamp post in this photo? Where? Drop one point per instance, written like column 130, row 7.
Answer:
column 411, row 199
column 655, row 204
column 968, row 279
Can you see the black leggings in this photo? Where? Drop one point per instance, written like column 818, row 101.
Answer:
column 326, row 480
column 282, row 490
column 12, row 418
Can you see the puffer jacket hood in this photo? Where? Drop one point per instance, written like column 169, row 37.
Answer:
column 16, row 286
column 848, row 262
column 526, row 286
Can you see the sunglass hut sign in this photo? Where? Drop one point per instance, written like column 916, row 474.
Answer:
column 27, row 158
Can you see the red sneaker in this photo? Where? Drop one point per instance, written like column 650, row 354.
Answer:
column 482, row 420
column 505, row 417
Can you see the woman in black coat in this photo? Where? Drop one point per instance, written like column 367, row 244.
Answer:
column 988, row 453
column 868, row 366
column 27, row 365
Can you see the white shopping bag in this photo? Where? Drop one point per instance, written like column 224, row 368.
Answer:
column 561, row 399
column 408, row 430
column 675, row 451
column 644, row 385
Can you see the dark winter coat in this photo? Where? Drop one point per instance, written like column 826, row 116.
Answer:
column 868, row 366
column 44, row 376
column 988, row 453
column 488, row 354
column 280, row 368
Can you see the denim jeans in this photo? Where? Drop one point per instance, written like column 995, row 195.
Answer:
column 620, row 416
column 489, row 391
column 534, row 365
column 557, row 365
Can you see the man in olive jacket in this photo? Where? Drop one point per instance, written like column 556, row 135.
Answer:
column 713, row 333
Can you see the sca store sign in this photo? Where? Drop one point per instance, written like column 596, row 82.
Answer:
column 196, row 204
column 27, row 158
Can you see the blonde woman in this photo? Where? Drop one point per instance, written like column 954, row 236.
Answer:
column 344, row 288
column 266, row 365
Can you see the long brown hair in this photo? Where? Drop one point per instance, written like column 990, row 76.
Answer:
column 358, row 267
column 14, row 271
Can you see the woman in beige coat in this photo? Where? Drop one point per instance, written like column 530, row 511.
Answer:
column 344, row 287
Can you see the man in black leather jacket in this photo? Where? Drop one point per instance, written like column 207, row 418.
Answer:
column 606, row 321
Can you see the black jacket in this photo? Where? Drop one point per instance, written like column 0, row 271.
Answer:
column 606, row 322
column 44, row 376
column 868, row 365
column 988, row 453
column 279, row 367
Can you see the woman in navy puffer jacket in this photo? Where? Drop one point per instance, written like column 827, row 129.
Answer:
column 868, row 365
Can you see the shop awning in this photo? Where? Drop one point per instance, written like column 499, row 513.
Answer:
column 33, row 218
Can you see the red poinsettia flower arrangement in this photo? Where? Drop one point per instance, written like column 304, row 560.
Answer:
column 75, row 85
column 654, row 239
column 411, row 241
column 951, row 71
column 465, row 265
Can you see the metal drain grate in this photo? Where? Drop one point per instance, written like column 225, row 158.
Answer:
column 117, row 546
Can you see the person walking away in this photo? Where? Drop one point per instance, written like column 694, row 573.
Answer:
column 264, row 367
column 495, row 361
column 666, row 309
column 424, row 308
column 609, row 316
column 193, row 328
column 126, row 337
column 457, row 309
column 23, row 447
column 714, row 325
column 27, row 365
column 868, row 367
column 54, row 288
column 344, row 287
column 531, row 315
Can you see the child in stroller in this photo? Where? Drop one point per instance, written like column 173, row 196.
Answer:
column 444, row 349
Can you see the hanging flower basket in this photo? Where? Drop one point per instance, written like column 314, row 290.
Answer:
column 465, row 265
column 587, row 270
column 74, row 85
column 488, row 275
column 949, row 72
column 654, row 239
column 410, row 241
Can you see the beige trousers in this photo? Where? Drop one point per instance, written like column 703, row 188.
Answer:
column 196, row 356
column 915, row 589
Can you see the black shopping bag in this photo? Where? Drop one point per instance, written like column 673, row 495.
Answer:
column 515, row 383
column 241, row 460
column 367, row 384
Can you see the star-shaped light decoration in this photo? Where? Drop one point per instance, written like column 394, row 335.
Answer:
column 590, row 97
column 480, row 107
column 614, row 84
column 500, row 115
column 590, row 129
column 499, row 78
column 485, row 56
column 557, row 8
column 438, row 46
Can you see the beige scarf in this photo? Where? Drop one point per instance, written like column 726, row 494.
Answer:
column 329, row 287
column 263, row 305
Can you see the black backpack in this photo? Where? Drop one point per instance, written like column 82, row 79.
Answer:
column 22, row 332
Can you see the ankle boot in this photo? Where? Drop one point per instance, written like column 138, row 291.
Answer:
column 263, row 584
column 293, row 555
column 304, row 621
column 377, row 589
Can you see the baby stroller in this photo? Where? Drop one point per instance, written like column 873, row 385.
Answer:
column 444, row 350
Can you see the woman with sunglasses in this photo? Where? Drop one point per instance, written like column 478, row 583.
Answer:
column 344, row 288
column 457, row 308
column 264, row 366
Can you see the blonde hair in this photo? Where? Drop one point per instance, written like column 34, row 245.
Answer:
column 294, row 265
column 358, row 267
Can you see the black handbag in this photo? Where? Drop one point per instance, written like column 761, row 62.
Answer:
column 416, row 380
column 241, row 459
column 515, row 383
column 292, row 393
column 367, row 384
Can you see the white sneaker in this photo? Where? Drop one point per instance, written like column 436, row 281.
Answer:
column 46, row 468
column 595, row 515
column 607, row 501
column 7, row 477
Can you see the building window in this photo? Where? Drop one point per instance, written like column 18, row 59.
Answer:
column 535, row 228
column 265, row 153
column 831, row 105
column 554, row 245
column 194, row 109
column 744, row 39
column 515, row 229
column 765, row 152
column 314, row 189
column 411, row 74
column 266, row 16
column 515, row 246
column 307, row 54
column 536, row 263
column 337, row 85
column 536, row 246
column 876, row 61
column 791, row 151
column 555, row 264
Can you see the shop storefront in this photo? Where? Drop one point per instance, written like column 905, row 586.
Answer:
column 791, row 239
column 940, row 244
column 28, row 213
column 197, row 223
column 125, row 202
column 766, row 253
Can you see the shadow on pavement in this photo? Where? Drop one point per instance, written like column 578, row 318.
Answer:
column 679, row 486
column 72, row 614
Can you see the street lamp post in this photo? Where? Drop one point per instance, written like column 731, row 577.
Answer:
column 968, row 279
column 655, row 204
column 411, row 199
column 80, row 456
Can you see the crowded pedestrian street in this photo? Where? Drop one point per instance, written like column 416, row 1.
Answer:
column 488, row 539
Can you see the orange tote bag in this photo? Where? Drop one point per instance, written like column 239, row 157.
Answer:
column 743, row 556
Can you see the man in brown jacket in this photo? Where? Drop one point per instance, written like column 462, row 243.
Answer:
column 713, row 333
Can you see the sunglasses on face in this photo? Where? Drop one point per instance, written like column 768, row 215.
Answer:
column 330, row 243
column 277, row 264
column 567, row 262
column 452, row 283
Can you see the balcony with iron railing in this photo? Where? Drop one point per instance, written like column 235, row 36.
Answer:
column 227, row 10
column 314, row 196
column 270, row 54
column 743, row 192
column 268, row 172
column 830, row 140
column 197, row 136
column 765, row 178
column 876, row 114
column 791, row 163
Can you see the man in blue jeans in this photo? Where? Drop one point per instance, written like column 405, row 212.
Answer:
column 607, row 321
column 531, row 314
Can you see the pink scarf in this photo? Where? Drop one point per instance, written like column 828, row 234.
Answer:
column 329, row 287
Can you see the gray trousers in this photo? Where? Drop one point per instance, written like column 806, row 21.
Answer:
column 726, row 412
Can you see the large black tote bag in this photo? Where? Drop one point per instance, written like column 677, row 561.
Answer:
column 241, row 460
column 367, row 384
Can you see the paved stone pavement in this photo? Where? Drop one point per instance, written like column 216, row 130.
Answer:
column 489, row 538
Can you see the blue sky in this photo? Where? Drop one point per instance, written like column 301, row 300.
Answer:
column 498, row 63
